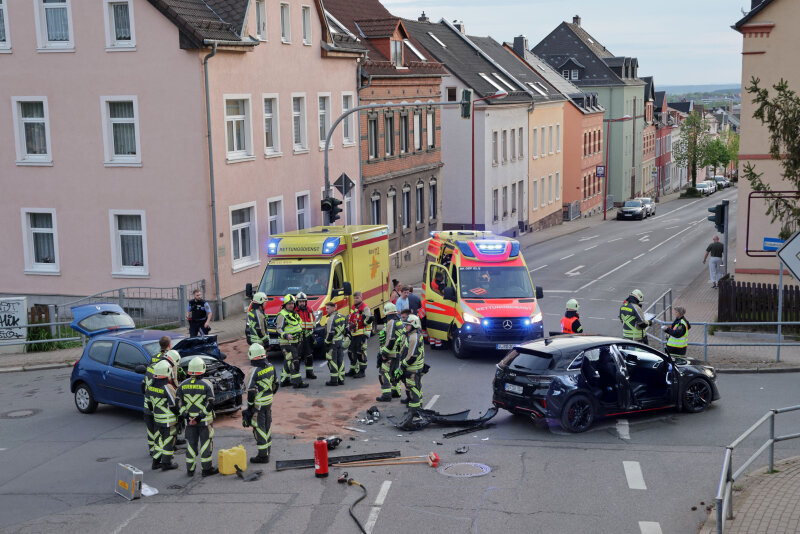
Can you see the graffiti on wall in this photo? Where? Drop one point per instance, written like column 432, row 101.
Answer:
column 13, row 322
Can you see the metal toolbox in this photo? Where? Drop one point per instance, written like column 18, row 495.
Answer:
column 128, row 482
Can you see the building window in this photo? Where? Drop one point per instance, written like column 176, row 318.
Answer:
column 535, row 144
column 543, row 141
column 54, row 25
column 535, row 192
column 5, row 39
column 306, row 14
column 403, row 134
column 574, row 74
column 520, row 195
column 397, row 53
column 32, row 130
column 129, row 246
column 243, row 235
column 558, row 138
column 121, row 130
column 584, row 187
column 120, row 32
column 40, row 241
column 452, row 94
column 432, row 200
column 324, row 119
column 430, row 122
column 565, row 74
column 299, row 123
column 558, row 185
column 375, row 209
column 406, row 206
column 272, row 138
column 261, row 20
column 494, row 205
column 275, row 215
column 347, row 122
column 237, row 127
column 504, row 145
column 372, row 137
column 388, row 133
column 420, row 202
column 513, row 149
column 513, row 198
column 302, row 201
column 391, row 210
column 541, row 193
column 495, row 157
column 418, row 131
column 505, row 201
column 286, row 24
column 550, row 189
column 348, row 208
column 550, row 139
column 520, row 143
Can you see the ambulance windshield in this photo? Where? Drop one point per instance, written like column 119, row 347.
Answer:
column 279, row 280
column 495, row 283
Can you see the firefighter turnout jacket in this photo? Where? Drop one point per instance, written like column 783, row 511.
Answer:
column 252, row 330
column 160, row 399
column 634, row 325
column 288, row 323
column 196, row 396
column 392, row 337
column 335, row 328
column 570, row 323
column 306, row 320
column 359, row 319
column 261, row 385
column 413, row 352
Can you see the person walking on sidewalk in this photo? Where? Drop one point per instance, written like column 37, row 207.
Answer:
column 678, row 333
column 715, row 249
column 634, row 324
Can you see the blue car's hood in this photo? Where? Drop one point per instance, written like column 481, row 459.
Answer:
column 93, row 319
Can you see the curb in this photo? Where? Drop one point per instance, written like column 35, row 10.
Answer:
column 41, row 367
column 759, row 370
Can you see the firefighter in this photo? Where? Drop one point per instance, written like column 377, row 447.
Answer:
column 678, row 333
column 571, row 322
column 335, row 329
column 391, row 341
column 253, row 331
column 160, row 396
column 196, row 399
column 359, row 323
column 634, row 324
column 164, row 343
column 290, row 330
column 261, row 386
column 307, row 343
column 412, row 363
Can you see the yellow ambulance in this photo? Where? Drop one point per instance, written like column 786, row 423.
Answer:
column 327, row 263
column 478, row 292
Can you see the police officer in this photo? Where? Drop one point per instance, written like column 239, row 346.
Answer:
column 164, row 343
column 634, row 324
column 570, row 323
column 678, row 333
column 335, row 329
column 261, row 385
column 255, row 318
column 391, row 340
column 412, row 362
column 307, row 343
column 290, row 331
column 196, row 399
column 198, row 312
column 160, row 396
column 359, row 323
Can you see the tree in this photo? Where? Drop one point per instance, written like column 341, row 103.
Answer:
column 781, row 114
column 716, row 155
column 691, row 147
column 732, row 144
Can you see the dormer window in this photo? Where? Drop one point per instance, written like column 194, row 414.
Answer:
column 565, row 74
column 397, row 53
column 574, row 74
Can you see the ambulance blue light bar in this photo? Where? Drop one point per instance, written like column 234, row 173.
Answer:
column 272, row 246
column 330, row 245
column 491, row 247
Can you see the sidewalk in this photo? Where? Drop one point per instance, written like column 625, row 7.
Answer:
column 768, row 503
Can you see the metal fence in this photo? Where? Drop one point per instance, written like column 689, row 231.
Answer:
column 724, row 498
column 571, row 210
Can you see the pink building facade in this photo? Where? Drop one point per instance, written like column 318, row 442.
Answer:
column 105, row 168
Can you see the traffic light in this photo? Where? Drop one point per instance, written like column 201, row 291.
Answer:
column 466, row 104
column 719, row 217
column 331, row 206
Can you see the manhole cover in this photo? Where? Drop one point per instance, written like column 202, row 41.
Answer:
column 18, row 414
column 464, row 470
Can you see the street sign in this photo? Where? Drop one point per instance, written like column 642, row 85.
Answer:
column 600, row 170
column 654, row 172
column 343, row 184
column 772, row 244
column 789, row 254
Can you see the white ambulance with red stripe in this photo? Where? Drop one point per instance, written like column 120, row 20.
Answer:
column 478, row 292
column 327, row 263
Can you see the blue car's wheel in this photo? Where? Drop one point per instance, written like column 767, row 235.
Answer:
column 84, row 400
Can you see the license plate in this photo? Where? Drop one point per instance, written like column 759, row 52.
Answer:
column 505, row 346
column 513, row 388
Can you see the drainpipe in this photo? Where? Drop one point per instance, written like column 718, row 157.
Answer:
column 211, row 181
column 359, row 73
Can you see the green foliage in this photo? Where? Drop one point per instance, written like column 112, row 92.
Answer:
column 42, row 333
column 716, row 154
column 732, row 144
column 690, row 151
column 691, row 192
column 781, row 114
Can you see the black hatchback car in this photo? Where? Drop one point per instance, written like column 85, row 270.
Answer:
column 576, row 379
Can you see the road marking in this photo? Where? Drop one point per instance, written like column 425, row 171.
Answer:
column 584, row 286
column 612, row 240
column 639, row 256
column 633, row 472
column 677, row 209
column 671, row 227
column 565, row 257
column 644, row 238
column 558, row 291
column 590, row 248
column 432, row 402
column 127, row 521
column 588, row 238
column 376, row 508
column 670, row 238
column 572, row 272
column 538, row 268
column 623, row 430
column 598, row 318
column 649, row 527
column 647, row 232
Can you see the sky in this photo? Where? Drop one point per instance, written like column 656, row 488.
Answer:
column 679, row 42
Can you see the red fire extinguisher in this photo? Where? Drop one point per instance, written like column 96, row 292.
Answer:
column 321, row 458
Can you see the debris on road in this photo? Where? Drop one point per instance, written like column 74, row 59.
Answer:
column 282, row 465
column 462, row 450
column 432, row 459
column 354, row 429
column 422, row 418
column 482, row 426
column 255, row 475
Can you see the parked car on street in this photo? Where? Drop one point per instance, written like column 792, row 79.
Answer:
column 649, row 205
column 116, row 356
column 576, row 379
column 712, row 184
column 704, row 188
column 632, row 209
column 722, row 182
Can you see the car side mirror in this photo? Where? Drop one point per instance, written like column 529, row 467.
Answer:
column 140, row 369
column 348, row 289
column 248, row 290
column 539, row 292
column 449, row 294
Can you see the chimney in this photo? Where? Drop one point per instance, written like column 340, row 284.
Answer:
column 576, row 20
column 423, row 18
column 520, row 45
column 459, row 25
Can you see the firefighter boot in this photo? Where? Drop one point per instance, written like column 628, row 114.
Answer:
column 360, row 374
column 341, row 381
column 169, row 466
column 385, row 397
column 332, row 382
column 351, row 372
column 260, row 459
column 210, row 471
column 156, row 464
column 190, row 471
column 300, row 385
column 395, row 394
column 310, row 374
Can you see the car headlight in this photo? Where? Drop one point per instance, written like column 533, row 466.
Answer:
column 709, row 372
column 469, row 318
column 536, row 318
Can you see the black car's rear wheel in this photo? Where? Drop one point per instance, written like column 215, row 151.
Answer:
column 697, row 396
column 577, row 414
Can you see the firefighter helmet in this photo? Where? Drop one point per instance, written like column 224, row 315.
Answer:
column 173, row 356
column 638, row 294
column 413, row 320
column 260, row 298
column 389, row 308
column 256, row 352
column 301, row 296
column 289, row 299
column 161, row 369
column 572, row 305
column 197, row 366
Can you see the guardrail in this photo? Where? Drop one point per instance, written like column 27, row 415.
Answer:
column 724, row 498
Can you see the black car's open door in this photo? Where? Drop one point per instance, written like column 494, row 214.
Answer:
column 650, row 373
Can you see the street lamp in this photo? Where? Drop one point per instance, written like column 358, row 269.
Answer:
column 498, row 94
column 608, row 147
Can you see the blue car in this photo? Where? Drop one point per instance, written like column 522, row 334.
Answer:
column 112, row 366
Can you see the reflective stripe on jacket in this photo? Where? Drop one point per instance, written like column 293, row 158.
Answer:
column 393, row 337
column 335, row 328
column 161, row 397
column 253, row 326
column 288, row 324
column 568, row 325
column 196, row 396
column 678, row 334
column 357, row 319
column 414, row 351
column 306, row 320
column 633, row 323
column 262, row 382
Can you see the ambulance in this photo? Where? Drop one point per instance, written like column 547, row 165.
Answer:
column 327, row 263
column 478, row 292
